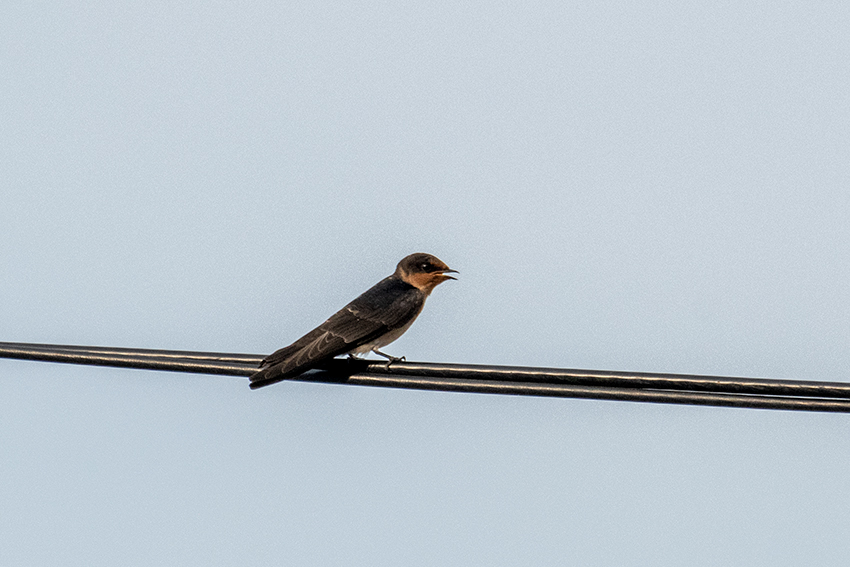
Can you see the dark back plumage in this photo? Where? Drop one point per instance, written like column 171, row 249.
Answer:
column 387, row 305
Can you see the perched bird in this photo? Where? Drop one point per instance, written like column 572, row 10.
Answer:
column 375, row 319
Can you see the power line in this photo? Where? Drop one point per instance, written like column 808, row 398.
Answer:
column 554, row 382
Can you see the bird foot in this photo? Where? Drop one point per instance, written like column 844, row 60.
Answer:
column 390, row 359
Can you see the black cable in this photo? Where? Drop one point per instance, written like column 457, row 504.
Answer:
column 608, row 385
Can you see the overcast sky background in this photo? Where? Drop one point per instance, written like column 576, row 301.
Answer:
column 652, row 186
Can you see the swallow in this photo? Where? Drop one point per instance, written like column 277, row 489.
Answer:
column 373, row 320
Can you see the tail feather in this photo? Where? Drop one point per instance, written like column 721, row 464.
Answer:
column 269, row 375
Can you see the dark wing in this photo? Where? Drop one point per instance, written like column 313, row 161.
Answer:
column 388, row 305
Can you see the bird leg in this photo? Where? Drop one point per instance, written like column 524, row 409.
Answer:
column 390, row 359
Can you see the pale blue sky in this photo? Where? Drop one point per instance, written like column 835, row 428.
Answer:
column 651, row 186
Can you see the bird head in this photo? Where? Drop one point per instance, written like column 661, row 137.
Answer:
column 423, row 271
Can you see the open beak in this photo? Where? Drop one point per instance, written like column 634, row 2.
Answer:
column 446, row 271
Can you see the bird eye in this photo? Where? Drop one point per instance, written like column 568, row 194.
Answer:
column 426, row 267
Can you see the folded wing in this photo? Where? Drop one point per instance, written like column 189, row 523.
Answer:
column 388, row 305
